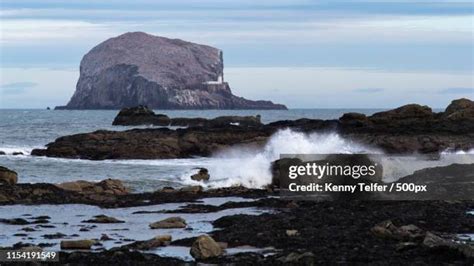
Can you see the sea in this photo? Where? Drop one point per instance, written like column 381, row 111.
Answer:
column 26, row 129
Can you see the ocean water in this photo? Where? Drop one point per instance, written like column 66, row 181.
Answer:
column 24, row 130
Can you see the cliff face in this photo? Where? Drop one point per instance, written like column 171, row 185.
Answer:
column 140, row 69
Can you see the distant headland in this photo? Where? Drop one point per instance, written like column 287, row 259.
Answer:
column 136, row 68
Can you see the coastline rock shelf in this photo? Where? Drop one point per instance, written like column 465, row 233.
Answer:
column 142, row 115
column 137, row 68
column 407, row 129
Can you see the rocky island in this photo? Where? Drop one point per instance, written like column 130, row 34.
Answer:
column 136, row 68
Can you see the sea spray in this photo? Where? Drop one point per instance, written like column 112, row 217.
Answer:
column 251, row 167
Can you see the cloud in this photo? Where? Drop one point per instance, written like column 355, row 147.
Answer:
column 369, row 90
column 457, row 91
column 17, row 87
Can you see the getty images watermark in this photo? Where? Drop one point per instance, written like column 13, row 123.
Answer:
column 374, row 177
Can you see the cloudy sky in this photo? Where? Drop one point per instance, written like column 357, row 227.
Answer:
column 305, row 54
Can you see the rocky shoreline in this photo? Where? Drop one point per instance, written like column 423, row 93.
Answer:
column 295, row 231
column 407, row 129
column 286, row 231
column 308, row 232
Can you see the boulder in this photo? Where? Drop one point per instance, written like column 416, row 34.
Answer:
column 409, row 111
column 158, row 241
column 292, row 232
column 436, row 242
column 202, row 175
column 294, row 258
column 171, row 222
column 8, row 176
column 108, row 186
column 204, row 247
column 77, row 244
column 460, row 109
column 388, row 230
column 103, row 219
column 105, row 237
column 14, row 221
column 354, row 119
column 191, row 189
column 140, row 115
column 279, row 168
column 432, row 240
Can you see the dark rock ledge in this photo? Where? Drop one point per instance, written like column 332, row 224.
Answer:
column 43, row 193
column 142, row 115
column 408, row 129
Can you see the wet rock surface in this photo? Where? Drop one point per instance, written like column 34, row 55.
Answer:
column 157, row 241
column 7, row 176
column 201, row 175
column 77, row 244
column 453, row 182
column 317, row 232
column 323, row 226
column 408, row 129
column 42, row 193
column 107, row 186
column 142, row 115
column 171, row 222
column 103, row 219
column 205, row 247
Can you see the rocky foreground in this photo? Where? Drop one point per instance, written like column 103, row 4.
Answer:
column 408, row 129
column 298, row 232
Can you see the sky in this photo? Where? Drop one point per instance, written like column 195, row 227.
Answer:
column 302, row 53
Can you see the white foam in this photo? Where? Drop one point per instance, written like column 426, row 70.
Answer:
column 447, row 152
column 251, row 168
column 9, row 150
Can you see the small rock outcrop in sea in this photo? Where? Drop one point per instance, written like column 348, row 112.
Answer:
column 108, row 186
column 460, row 109
column 171, row 222
column 77, row 244
column 8, row 176
column 205, row 247
column 138, row 68
column 142, row 115
column 202, row 175
column 103, row 219
column 157, row 241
